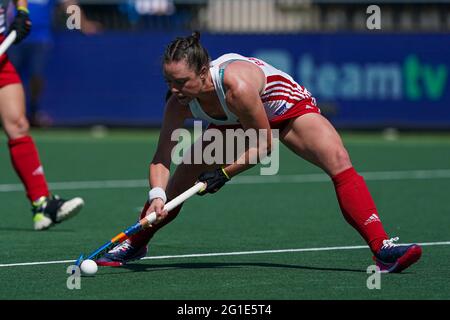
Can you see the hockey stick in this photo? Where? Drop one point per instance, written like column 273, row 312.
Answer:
column 142, row 224
column 8, row 41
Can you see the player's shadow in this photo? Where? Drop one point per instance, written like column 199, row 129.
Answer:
column 139, row 267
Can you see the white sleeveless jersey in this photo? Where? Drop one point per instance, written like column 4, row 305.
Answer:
column 279, row 95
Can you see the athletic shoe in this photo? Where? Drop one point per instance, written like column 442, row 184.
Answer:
column 122, row 254
column 393, row 258
column 48, row 211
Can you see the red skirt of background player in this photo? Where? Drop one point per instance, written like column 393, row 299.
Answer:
column 8, row 74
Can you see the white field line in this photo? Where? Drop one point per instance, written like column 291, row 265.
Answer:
column 222, row 254
column 299, row 178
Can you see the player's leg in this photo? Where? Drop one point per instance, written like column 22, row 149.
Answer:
column 184, row 177
column 25, row 159
column 313, row 138
column 24, row 155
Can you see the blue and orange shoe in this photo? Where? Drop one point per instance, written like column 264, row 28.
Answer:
column 122, row 254
column 394, row 258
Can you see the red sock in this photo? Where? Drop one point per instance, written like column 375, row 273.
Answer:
column 359, row 208
column 25, row 160
column 143, row 237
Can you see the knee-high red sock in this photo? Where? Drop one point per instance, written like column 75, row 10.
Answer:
column 143, row 237
column 25, row 160
column 359, row 208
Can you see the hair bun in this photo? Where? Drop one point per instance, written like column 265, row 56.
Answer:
column 194, row 38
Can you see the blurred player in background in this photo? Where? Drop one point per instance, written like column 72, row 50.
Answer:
column 239, row 92
column 47, row 209
column 31, row 58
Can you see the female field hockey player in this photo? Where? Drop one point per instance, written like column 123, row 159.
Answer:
column 47, row 209
column 236, row 91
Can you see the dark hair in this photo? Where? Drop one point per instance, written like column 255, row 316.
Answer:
column 189, row 49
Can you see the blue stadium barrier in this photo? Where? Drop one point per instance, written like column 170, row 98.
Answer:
column 366, row 80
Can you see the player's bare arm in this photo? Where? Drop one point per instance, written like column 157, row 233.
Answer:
column 244, row 82
column 174, row 116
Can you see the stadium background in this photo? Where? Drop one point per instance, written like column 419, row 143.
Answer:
column 387, row 91
column 396, row 76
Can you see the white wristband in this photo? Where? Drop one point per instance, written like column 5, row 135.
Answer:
column 157, row 193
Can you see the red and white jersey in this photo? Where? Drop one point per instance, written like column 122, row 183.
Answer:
column 279, row 95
